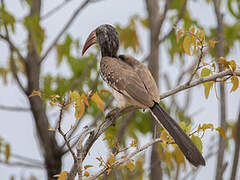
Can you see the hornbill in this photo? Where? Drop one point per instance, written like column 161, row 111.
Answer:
column 132, row 84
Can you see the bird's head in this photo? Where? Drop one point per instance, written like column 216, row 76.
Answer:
column 107, row 38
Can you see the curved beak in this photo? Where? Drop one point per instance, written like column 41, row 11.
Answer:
column 92, row 39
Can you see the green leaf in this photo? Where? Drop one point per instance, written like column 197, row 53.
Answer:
column 6, row 18
column 37, row 34
column 205, row 72
column 187, row 45
column 197, row 141
column 207, row 88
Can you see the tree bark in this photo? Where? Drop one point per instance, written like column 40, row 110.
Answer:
column 47, row 140
column 219, row 53
column 153, row 14
column 236, row 150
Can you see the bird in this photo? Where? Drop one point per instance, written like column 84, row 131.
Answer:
column 132, row 83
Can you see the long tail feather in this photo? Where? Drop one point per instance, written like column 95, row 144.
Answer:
column 188, row 148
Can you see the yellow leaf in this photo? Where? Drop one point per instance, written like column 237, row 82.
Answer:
column 232, row 63
column 204, row 63
column 51, row 129
column 105, row 91
column 79, row 109
column 7, row 152
column 221, row 131
column 207, row 88
column 197, row 141
column 235, row 83
column 182, row 124
column 192, row 30
column 98, row 101
column 179, row 33
column 207, row 126
column 187, row 44
column 111, row 159
column 222, row 60
column 164, row 135
column 134, row 143
column 36, row 93
column 61, row 176
column 212, row 43
column 202, row 37
column 205, row 72
column 86, row 173
column 130, row 166
column 87, row 166
column 84, row 98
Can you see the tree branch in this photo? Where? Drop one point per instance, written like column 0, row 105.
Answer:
column 213, row 77
column 70, row 21
column 122, row 161
column 237, row 149
column 12, row 108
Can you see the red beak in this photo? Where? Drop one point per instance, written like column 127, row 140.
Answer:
column 92, row 39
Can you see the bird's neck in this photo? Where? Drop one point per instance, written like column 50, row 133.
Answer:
column 108, row 52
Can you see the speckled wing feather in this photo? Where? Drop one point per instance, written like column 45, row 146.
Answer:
column 121, row 77
column 145, row 76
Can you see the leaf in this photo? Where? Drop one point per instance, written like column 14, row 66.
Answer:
column 207, row 126
column 86, row 173
column 212, row 43
column 88, row 166
column 7, row 153
column 36, row 93
column 197, row 141
column 207, row 88
column 232, row 63
column 79, row 105
column 98, row 101
column 221, row 131
column 235, row 83
column 79, row 109
column 186, row 45
column 205, row 72
column 61, row 176
column 32, row 23
column 202, row 37
column 179, row 34
column 134, row 143
column 51, row 128
column 105, row 91
column 111, row 159
column 84, row 98
column 130, row 166
column 6, row 18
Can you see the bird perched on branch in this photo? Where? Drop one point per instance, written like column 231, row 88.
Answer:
column 132, row 84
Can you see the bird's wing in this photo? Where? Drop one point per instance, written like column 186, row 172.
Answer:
column 145, row 76
column 121, row 77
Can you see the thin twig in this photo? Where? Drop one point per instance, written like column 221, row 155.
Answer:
column 13, row 108
column 22, row 164
column 70, row 21
column 121, row 161
column 55, row 9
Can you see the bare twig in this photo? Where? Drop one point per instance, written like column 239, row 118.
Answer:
column 63, row 134
column 198, row 62
column 70, row 21
column 177, row 21
column 55, row 9
column 22, row 164
column 13, row 108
